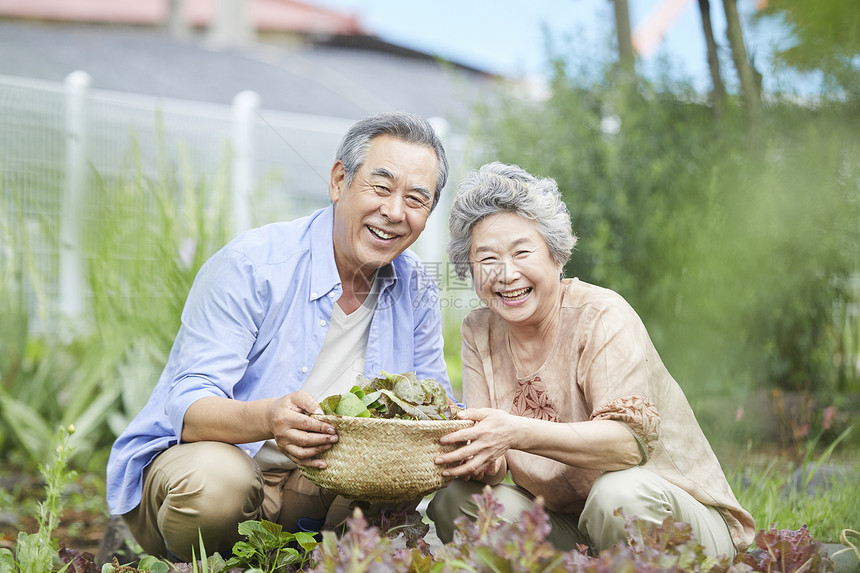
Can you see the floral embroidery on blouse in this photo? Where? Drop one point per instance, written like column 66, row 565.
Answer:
column 640, row 414
column 531, row 401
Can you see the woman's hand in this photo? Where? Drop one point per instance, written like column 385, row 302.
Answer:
column 482, row 455
column 492, row 473
column 594, row 444
column 300, row 437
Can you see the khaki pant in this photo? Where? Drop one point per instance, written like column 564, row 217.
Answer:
column 638, row 491
column 215, row 486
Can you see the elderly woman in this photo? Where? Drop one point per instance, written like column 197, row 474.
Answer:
column 566, row 388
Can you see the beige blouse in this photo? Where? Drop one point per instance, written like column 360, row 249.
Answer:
column 603, row 366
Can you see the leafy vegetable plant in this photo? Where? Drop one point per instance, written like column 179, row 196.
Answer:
column 784, row 550
column 489, row 545
column 269, row 549
column 485, row 544
column 401, row 396
column 362, row 548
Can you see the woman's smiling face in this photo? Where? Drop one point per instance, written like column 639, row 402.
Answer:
column 512, row 269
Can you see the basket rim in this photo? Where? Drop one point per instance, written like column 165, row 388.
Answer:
column 334, row 419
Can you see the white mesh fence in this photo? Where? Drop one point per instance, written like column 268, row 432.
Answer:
column 59, row 141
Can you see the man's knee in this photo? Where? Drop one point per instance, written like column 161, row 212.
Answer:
column 210, row 490
column 223, row 484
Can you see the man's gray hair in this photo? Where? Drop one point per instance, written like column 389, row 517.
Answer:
column 404, row 126
column 497, row 187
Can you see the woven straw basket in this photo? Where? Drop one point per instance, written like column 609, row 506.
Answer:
column 377, row 459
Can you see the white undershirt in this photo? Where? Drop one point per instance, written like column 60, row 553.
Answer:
column 340, row 360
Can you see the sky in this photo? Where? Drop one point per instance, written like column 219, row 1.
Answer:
column 508, row 36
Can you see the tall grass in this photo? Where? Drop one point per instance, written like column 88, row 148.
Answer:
column 37, row 552
column 820, row 492
column 147, row 233
column 148, row 238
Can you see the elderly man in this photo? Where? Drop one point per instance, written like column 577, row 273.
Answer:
column 281, row 317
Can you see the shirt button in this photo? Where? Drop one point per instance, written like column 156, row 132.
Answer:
column 322, row 323
column 331, row 295
column 248, row 452
column 313, row 295
column 304, row 368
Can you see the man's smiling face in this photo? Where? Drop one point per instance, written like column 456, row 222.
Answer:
column 385, row 207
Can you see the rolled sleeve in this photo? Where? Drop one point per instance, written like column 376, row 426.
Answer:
column 179, row 404
column 613, row 371
column 640, row 416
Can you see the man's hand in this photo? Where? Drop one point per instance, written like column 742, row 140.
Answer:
column 300, row 437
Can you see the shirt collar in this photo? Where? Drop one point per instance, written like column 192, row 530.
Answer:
column 324, row 276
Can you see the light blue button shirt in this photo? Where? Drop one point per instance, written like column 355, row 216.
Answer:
column 253, row 325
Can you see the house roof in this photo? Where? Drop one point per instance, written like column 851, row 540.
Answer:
column 347, row 81
column 267, row 15
column 340, row 68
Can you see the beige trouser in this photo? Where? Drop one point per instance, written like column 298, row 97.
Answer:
column 638, row 491
column 215, row 486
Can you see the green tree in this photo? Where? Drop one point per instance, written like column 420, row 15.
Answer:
column 718, row 89
column 626, row 56
column 746, row 72
column 826, row 37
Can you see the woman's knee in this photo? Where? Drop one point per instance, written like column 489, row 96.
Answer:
column 458, row 499
column 634, row 492
column 629, row 490
column 450, row 503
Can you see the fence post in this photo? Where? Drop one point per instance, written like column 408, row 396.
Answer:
column 430, row 246
column 231, row 23
column 245, row 106
column 72, row 283
column 177, row 23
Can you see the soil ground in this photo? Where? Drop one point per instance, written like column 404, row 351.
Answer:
column 79, row 529
column 81, row 524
